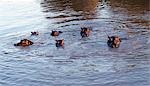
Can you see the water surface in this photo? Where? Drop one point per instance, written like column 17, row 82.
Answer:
column 83, row 61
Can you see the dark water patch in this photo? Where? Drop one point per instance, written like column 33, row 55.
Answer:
column 60, row 16
column 68, row 25
column 72, row 20
column 63, row 61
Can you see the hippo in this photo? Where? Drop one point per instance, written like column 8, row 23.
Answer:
column 114, row 41
column 34, row 33
column 56, row 33
column 85, row 32
column 24, row 43
column 60, row 43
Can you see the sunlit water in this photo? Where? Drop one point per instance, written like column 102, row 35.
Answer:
column 83, row 61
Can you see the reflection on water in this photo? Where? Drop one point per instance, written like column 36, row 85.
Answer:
column 83, row 61
column 137, row 11
column 84, row 5
column 138, row 6
column 76, row 5
column 87, row 8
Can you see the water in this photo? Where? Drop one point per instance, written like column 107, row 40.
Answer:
column 83, row 62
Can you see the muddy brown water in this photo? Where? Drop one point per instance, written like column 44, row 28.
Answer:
column 83, row 61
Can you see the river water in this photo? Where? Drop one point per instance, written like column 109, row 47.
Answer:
column 83, row 61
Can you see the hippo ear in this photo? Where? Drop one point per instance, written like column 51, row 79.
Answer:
column 15, row 44
column 60, row 32
column 120, row 40
column 21, row 40
column 30, row 41
column 110, row 38
column 18, row 44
